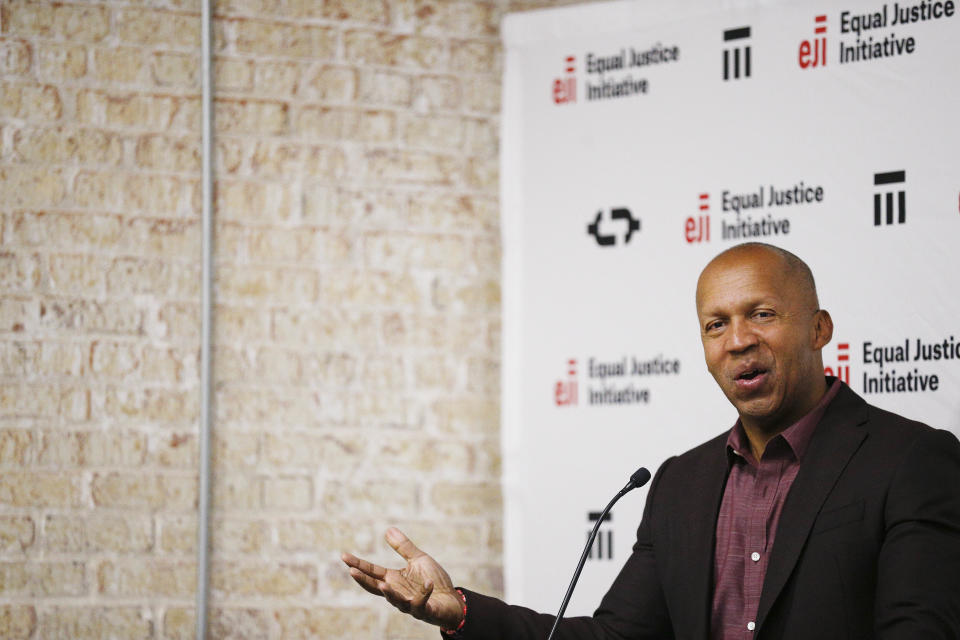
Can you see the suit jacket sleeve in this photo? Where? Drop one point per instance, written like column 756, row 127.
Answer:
column 918, row 573
column 632, row 609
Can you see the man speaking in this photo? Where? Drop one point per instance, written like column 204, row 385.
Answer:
column 816, row 516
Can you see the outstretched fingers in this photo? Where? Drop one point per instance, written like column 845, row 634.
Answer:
column 366, row 574
column 402, row 544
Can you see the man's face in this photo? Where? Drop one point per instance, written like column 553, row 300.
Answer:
column 762, row 335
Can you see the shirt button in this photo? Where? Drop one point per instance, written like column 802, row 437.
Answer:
column 751, row 625
column 756, row 558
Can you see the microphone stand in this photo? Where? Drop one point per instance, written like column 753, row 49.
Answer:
column 639, row 478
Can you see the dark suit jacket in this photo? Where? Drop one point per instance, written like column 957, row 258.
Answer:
column 868, row 544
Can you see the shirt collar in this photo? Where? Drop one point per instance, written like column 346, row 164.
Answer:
column 796, row 436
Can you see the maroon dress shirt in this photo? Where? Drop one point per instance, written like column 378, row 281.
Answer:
column 748, row 518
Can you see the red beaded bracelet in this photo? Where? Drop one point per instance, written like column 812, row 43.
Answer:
column 451, row 632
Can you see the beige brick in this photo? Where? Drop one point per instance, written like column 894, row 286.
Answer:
column 366, row 11
column 16, row 447
column 396, row 498
column 147, row 27
column 285, row 39
column 170, row 69
column 452, row 540
column 398, row 252
column 179, row 535
column 241, row 536
column 20, row 271
column 30, row 102
column 288, row 493
column 467, row 499
column 385, row 87
column 250, row 116
column 252, row 201
column 14, row 57
column 371, row 289
column 314, row 622
column 325, row 162
column 411, row 166
column 18, row 360
column 311, row 535
column 436, row 372
column 483, row 375
column 39, row 489
column 446, row 17
column 17, row 533
column 17, row 314
column 330, row 454
column 119, row 64
column 462, row 295
column 272, row 245
column 437, row 93
column 170, row 365
column 136, row 577
column 423, row 455
column 481, row 137
column 333, row 84
column 76, row 274
column 180, row 320
column 276, row 159
column 228, row 155
column 77, row 22
column 475, row 56
column 94, row 623
column 280, row 79
column 145, row 491
column 382, row 48
column 267, row 285
column 231, row 74
column 482, row 94
column 114, row 359
column 224, row 623
column 42, row 578
column 91, row 316
column 235, row 450
column 177, row 450
column 138, row 110
column 157, row 194
column 459, row 335
column 61, row 62
column 67, row 145
column 465, row 415
column 241, row 324
column 235, row 491
column 369, row 208
column 26, row 186
column 173, row 279
column 127, row 533
column 162, row 237
column 168, row 153
column 383, row 372
column 461, row 212
column 266, row 579
column 403, row 626
column 335, row 328
column 17, row 622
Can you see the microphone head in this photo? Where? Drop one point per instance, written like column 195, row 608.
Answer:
column 640, row 477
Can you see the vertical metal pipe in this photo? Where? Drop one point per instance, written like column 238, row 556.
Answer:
column 203, row 517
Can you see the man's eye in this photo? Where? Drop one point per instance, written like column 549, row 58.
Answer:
column 713, row 326
column 763, row 314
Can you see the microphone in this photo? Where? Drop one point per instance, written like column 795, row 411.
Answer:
column 639, row 478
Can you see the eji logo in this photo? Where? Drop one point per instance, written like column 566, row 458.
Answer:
column 565, row 391
column 842, row 368
column 565, row 87
column 813, row 53
column 697, row 228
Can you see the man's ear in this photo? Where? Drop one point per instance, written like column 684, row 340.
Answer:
column 822, row 328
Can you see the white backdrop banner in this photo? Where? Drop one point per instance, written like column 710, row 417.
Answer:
column 642, row 138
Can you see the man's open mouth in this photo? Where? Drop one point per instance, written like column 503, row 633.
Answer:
column 750, row 374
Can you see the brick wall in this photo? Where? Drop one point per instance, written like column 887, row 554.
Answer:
column 356, row 320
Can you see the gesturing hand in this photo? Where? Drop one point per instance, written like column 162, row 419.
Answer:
column 422, row 589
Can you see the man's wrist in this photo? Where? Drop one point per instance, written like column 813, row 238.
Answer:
column 463, row 619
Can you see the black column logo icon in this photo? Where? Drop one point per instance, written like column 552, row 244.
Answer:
column 884, row 201
column 620, row 213
column 602, row 548
column 736, row 58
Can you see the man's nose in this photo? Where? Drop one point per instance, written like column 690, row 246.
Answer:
column 740, row 335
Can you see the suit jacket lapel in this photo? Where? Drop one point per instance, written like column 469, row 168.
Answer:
column 834, row 442
column 695, row 545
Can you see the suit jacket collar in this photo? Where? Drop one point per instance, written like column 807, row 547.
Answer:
column 834, row 442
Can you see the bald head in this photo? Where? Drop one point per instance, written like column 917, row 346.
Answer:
column 795, row 271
